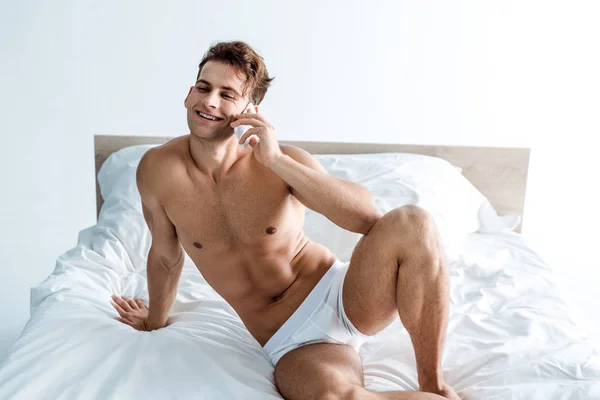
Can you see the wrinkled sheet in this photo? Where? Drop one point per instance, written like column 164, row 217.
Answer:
column 510, row 335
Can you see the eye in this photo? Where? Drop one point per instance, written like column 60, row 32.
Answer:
column 201, row 89
column 227, row 96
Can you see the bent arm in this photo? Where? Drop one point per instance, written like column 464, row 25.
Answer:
column 166, row 255
column 347, row 204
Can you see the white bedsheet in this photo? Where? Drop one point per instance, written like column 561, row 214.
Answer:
column 510, row 336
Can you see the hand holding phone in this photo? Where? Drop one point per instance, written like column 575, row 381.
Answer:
column 261, row 137
column 241, row 129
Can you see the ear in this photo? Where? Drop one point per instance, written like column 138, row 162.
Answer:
column 188, row 95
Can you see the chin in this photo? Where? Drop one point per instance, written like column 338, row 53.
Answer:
column 201, row 130
column 200, row 134
column 210, row 135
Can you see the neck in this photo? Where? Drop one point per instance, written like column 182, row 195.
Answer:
column 215, row 159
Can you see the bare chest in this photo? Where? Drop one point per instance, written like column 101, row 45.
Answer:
column 249, row 210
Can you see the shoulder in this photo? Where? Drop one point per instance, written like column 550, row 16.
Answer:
column 160, row 165
column 169, row 154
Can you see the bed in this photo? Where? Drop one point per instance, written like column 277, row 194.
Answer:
column 511, row 333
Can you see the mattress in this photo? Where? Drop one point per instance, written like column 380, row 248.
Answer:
column 511, row 335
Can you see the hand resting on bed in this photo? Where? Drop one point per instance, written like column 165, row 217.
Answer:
column 133, row 312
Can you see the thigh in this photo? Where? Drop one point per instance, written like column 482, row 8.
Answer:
column 371, row 283
column 369, row 290
column 317, row 370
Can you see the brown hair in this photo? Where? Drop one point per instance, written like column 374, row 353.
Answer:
column 247, row 61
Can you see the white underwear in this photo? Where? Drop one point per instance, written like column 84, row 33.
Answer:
column 319, row 319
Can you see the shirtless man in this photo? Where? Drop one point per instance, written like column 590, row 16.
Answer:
column 239, row 213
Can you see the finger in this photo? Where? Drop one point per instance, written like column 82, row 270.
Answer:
column 261, row 119
column 121, row 301
column 119, row 309
column 248, row 121
column 253, row 141
column 248, row 133
column 251, row 114
column 140, row 303
column 132, row 304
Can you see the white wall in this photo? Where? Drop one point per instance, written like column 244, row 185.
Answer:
column 510, row 73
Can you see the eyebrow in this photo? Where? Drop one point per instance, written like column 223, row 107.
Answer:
column 222, row 87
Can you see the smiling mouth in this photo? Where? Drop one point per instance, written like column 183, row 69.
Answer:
column 214, row 119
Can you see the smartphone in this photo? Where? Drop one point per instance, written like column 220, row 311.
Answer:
column 241, row 129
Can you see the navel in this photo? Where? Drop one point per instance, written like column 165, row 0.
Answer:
column 271, row 230
column 198, row 245
column 276, row 298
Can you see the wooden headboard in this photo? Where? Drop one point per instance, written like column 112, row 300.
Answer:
column 500, row 173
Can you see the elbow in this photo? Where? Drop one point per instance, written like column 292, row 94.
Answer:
column 371, row 213
column 166, row 259
column 369, row 222
column 176, row 263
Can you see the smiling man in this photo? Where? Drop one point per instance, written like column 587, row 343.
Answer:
column 239, row 213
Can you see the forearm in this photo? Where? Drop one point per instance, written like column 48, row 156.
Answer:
column 346, row 204
column 162, row 288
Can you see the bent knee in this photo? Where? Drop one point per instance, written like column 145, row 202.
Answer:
column 331, row 371
column 413, row 215
column 409, row 219
column 342, row 392
column 326, row 389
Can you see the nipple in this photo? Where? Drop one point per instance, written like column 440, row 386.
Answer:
column 198, row 245
column 271, row 230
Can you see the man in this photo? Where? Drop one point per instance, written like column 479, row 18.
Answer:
column 239, row 212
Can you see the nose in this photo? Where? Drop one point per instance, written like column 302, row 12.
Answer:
column 211, row 100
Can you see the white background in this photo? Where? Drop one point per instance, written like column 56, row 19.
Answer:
column 478, row 73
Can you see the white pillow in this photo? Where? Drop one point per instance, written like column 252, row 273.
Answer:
column 393, row 179
column 121, row 213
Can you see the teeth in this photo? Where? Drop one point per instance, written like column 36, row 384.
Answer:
column 207, row 116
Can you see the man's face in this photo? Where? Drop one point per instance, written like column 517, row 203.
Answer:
column 218, row 92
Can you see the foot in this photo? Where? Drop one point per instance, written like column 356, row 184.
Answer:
column 443, row 390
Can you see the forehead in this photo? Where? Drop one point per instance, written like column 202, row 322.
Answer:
column 222, row 75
